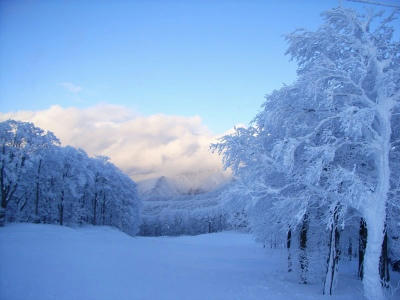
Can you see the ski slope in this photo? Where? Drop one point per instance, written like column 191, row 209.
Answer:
column 43, row 262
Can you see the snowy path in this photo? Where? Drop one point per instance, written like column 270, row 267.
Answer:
column 52, row 262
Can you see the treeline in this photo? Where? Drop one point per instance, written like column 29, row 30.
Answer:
column 214, row 211
column 320, row 164
column 42, row 182
column 175, row 222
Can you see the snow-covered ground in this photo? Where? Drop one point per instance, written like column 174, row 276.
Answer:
column 42, row 262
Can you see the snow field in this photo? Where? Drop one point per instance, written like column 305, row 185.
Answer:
column 54, row 262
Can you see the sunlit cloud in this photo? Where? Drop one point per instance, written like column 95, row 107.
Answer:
column 142, row 146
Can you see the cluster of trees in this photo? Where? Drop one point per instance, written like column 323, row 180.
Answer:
column 42, row 182
column 213, row 211
column 224, row 208
column 324, row 152
column 183, row 221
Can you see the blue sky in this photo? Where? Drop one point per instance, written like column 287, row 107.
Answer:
column 214, row 59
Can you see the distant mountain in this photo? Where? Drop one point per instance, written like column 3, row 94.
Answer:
column 165, row 188
column 160, row 188
column 200, row 182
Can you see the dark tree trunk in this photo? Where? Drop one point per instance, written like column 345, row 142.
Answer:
column 333, row 256
column 62, row 214
column 8, row 190
column 350, row 250
column 288, row 244
column 94, row 209
column 24, row 204
column 37, row 194
column 384, row 263
column 303, row 252
column 2, row 214
column 3, row 204
column 362, row 244
column 61, row 209
column 82, row 215
column 7, row 194
column 103, row 209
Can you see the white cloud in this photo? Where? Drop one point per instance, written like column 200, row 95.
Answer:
column 70, row 87
column 142, row 146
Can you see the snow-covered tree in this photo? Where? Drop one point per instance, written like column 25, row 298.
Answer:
column 20, row 146
column 326, row 144
column 43, row 182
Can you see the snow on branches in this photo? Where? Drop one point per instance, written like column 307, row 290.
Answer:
column 324, row 148
column 42, row 182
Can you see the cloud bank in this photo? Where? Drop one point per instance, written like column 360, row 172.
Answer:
column 142, row 146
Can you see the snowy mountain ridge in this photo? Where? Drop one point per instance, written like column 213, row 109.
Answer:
column 164, row 188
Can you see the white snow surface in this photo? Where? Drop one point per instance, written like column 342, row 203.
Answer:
column 54, row 262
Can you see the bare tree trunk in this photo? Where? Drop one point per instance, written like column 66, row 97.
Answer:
column 61, row 209
column 288, row 244
column 384, row 263
column 8, row 190
column 7, row 194
column 3, row 204
column 362, row 244
column 303, row 252
column 333, row 256
column 37, row 194
column 21, row 207
column 2, row 214
column 94, row 221
column 350, row 250
column 103, row 209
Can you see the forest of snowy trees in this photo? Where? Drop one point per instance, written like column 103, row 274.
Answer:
column 214, row 211
column 324, row 152
column 42, row 182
